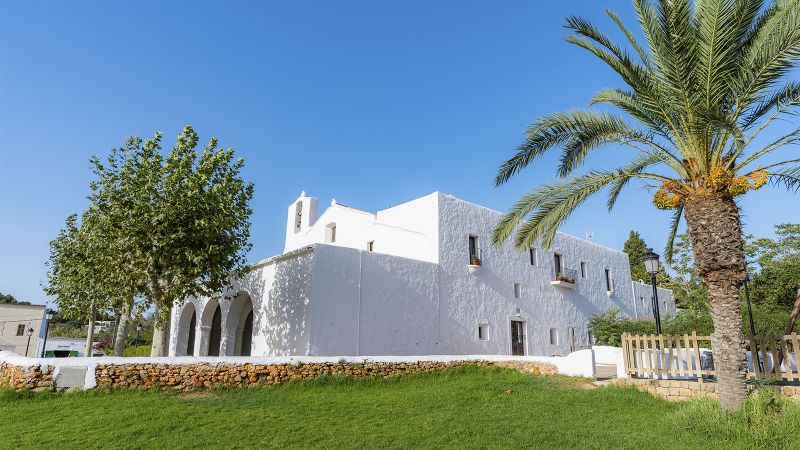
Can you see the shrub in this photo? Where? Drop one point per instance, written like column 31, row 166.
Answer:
column 765, row 420
column 607, row 328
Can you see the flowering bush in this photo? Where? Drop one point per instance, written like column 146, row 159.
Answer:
column 103, row 344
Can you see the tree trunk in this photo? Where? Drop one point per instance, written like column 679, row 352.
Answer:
column 159, row 344
column 121, row 339
column 160, row 335
column 89, row 349
column 714, row 226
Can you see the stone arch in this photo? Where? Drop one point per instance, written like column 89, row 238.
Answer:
column 187, row 330
column 239, row 326
column 211, row 329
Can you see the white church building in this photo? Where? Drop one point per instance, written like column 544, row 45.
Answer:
column 420, row 278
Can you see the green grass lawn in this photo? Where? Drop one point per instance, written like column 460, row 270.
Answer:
column 461, row 407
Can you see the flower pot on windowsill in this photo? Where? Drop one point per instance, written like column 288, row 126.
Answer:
column 563, row 281
column 474, row 265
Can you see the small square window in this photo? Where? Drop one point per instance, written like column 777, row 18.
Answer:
column 483, row 332
column 583, row 269
column 553, row 336
column 20, row 330
column 517, row 290
column 534, row 254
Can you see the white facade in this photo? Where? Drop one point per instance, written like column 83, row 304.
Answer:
column 59, row 347
column 399, row 282
column 20, row 327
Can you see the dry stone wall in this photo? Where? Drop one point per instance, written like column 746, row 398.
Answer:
column 679, row 390
column 197, row 376
column 34, row 378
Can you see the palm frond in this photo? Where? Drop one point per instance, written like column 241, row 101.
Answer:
column 548, row 206
column 636, row 166
column 772, row 50
column 669, row 250
column 789, row 178
column 779, row 101
column 630, row 103
column 630, row 37
column 716, row 48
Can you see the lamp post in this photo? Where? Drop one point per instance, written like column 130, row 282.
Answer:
column 29, row 332
column 138, row 329
column 48, row 317
column 651, row 265
column 750, row 316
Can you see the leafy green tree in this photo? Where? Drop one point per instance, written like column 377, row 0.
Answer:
column 10, row 299
column 710, row 76
column 636, row 247
column 685, row 284
column 79, row 275
column 777, row 283
column 184, row 219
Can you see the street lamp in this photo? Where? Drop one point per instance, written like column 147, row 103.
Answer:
column 651, row 265
column 750, row 315
column 138, row 329
column 29, row 332
column 49, row 317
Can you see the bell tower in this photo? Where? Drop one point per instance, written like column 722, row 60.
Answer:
column 301, row 216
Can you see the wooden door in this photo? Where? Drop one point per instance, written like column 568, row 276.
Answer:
column 517, row 338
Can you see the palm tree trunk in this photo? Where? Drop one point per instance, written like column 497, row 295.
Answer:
column 714, row 226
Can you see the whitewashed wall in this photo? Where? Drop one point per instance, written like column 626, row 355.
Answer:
column 489, row 296
column 280, row 289
column 414, row 294
column 407, row 230
column 366, row 303
column 643, row 295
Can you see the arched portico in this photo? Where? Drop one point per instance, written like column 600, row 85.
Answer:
column 239, row 326
column 187, row 330
column 211, row 329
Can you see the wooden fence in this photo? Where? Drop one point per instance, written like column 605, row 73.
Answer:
column 773, row 357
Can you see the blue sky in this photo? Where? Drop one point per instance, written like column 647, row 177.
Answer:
column 373, row 103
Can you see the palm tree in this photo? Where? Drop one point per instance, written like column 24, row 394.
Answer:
column 710, row 76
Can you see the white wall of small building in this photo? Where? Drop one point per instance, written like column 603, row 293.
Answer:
column 14, row 316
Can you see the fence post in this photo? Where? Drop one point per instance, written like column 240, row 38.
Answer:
column 787, row 360
column 754, row 356
column 796, row 351
column 697, row 357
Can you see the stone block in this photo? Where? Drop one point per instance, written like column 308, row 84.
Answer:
column 71, row 377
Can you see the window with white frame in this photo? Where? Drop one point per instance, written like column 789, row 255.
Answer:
column 553, row 336
column 370, row 246
column 534, row 254
column 517, row 290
